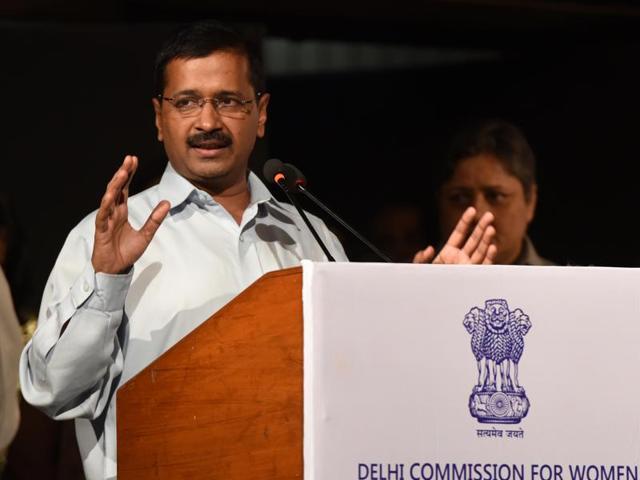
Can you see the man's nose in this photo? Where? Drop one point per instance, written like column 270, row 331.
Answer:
column 208, row 118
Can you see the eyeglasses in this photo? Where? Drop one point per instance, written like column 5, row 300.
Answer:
column 226, row 105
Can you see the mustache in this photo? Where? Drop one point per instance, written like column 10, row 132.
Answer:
column 216, row 137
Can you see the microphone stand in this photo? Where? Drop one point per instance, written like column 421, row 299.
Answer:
column 294, row 201
column 315, row 200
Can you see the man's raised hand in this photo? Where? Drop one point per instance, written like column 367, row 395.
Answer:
column 117, row 245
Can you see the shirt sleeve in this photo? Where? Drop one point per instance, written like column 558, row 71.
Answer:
column 74, row 358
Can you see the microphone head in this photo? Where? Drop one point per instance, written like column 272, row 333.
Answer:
column 294, row 175
column 271, row 169
column 284, row 175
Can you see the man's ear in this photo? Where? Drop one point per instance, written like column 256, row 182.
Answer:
column 531, row 204
column 157, row 107
column 263, row 102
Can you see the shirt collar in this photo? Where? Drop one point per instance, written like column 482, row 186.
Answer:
column 259, row 191
column 174, row 187
column 529, row 255
column 177, row 190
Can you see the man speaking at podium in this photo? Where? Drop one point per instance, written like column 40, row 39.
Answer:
column 140, row 273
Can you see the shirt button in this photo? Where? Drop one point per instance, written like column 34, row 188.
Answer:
column 85, row 286
column 241, row 238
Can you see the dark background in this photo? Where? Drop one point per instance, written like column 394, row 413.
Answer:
column 75, row 89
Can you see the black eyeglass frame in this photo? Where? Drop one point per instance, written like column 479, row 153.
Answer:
column 215, row 101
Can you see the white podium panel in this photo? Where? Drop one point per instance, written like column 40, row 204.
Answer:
column 425, row 372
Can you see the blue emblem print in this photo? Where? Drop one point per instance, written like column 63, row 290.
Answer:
column 497, row 342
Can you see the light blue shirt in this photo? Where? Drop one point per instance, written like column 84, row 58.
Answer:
column 199, row 259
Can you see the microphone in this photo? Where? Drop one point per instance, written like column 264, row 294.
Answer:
column 284, row 176
column 299, row 182
column 280, row 173
column 297, row 177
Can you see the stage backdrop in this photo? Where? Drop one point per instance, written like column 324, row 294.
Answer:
column 471, row 373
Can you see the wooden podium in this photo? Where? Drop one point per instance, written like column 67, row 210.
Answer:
column 391, row 379
column 226, row 401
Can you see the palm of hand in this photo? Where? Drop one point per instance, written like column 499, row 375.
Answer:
column 452, row 255
column 117, row 248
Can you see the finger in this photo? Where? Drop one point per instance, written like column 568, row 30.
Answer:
column 117, row 184
column 477, row 235
column 128, row 168
column 424, row 256
column 154, row 221
column 122, row 170
column 481, row 250
column 104, row 212
column 122, row 176
column 491, row 255
column 113, row 193
column 130, row 164
column 461, row 230
column 478, row 253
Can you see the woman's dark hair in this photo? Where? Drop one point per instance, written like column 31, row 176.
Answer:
column 499, row 138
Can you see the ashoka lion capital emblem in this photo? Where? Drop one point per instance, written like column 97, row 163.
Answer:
column 497, row 342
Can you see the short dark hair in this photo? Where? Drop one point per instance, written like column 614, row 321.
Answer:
column 201, row 39
column 499, row 138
